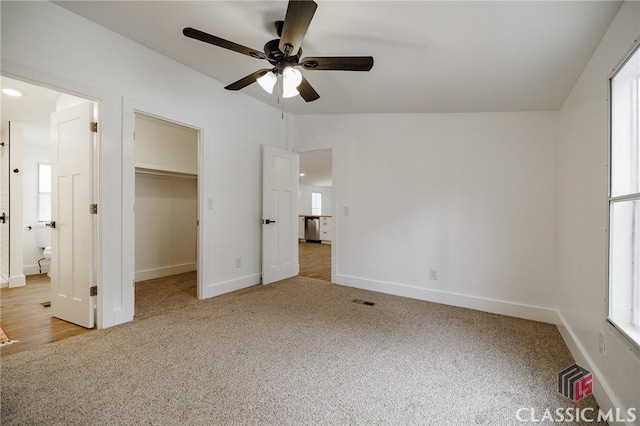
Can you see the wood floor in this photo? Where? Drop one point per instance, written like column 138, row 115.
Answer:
column 315, row 260
column 24, row 318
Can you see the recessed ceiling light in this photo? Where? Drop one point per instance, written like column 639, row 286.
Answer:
column 11, row 92
column 301, row 174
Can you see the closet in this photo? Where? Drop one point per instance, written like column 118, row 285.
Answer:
column 166, row 206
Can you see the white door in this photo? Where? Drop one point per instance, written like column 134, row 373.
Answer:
column 279, row 214
column 71, row 196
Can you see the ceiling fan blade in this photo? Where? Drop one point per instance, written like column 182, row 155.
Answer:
column 220, row 42
column 296, row 23
column 244, row 82
column 307, row 92
column 338, row 63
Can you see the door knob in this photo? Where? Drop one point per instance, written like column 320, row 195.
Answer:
column 51, row 224
column 268, row 221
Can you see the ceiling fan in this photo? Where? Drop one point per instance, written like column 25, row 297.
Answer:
column 284, row 55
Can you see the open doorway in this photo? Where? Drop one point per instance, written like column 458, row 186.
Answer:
column 315, row 214
column 27, row 199
column 166, row 209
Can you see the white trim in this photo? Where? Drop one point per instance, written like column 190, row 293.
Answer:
column 314, row 147
column 104, row 102
column 518, row 310
column 335, row 191
column 165, row 271
column 602, row 391
column 35, row 269
column 129, row 108
column 17, row 281
column 216, row 289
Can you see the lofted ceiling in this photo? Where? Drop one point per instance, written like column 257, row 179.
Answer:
column 430, row 56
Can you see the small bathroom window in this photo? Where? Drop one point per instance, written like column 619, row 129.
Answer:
column 44, row 192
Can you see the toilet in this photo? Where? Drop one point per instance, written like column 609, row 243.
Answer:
column 43, row 239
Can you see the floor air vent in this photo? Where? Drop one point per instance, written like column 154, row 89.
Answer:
column 363, row 302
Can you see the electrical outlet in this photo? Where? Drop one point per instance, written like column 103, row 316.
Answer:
column 345, row 211
column 433, row 274
column 602, row 344
column 238, row 262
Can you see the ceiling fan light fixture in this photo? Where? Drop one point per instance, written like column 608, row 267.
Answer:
column 267, row 82
column 291, row 77
column 289, row 92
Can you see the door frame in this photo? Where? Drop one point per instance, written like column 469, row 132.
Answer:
column 130, row 108
column 335, row 221
column 94, row 96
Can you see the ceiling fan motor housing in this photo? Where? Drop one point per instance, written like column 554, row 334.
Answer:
column 274, row 55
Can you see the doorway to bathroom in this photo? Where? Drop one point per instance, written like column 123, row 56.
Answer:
column 29, row 199
column 166, row 210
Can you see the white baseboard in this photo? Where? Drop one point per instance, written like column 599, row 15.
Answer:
column 17, row 281
column 603, row 393
column 149, row 274
column 216, row 289
column 519, row 310
column 35, row 270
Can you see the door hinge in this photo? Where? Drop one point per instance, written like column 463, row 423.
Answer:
column 93, row 209
column 94, row 126
column 93, row 291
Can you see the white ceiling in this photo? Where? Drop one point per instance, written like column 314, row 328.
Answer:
column 317, row 168
column 429, row 56
column 34, row 103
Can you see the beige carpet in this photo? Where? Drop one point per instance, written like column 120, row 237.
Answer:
column 292, row 353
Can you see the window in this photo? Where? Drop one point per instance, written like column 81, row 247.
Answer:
column 44, row 192
column 624, row 199
column 316, row 203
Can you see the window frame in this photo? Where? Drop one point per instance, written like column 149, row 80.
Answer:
column 631, row 331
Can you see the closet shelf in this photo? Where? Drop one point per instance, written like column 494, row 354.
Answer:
column 158, row 172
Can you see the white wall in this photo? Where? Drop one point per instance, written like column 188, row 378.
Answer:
column 36, row 148
column 48, row 44
column 471, row 195
column 304, row 202
column 32, row 156
column 166, row 205
column 162, row 145
column 582, row 222
column 166, row 231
